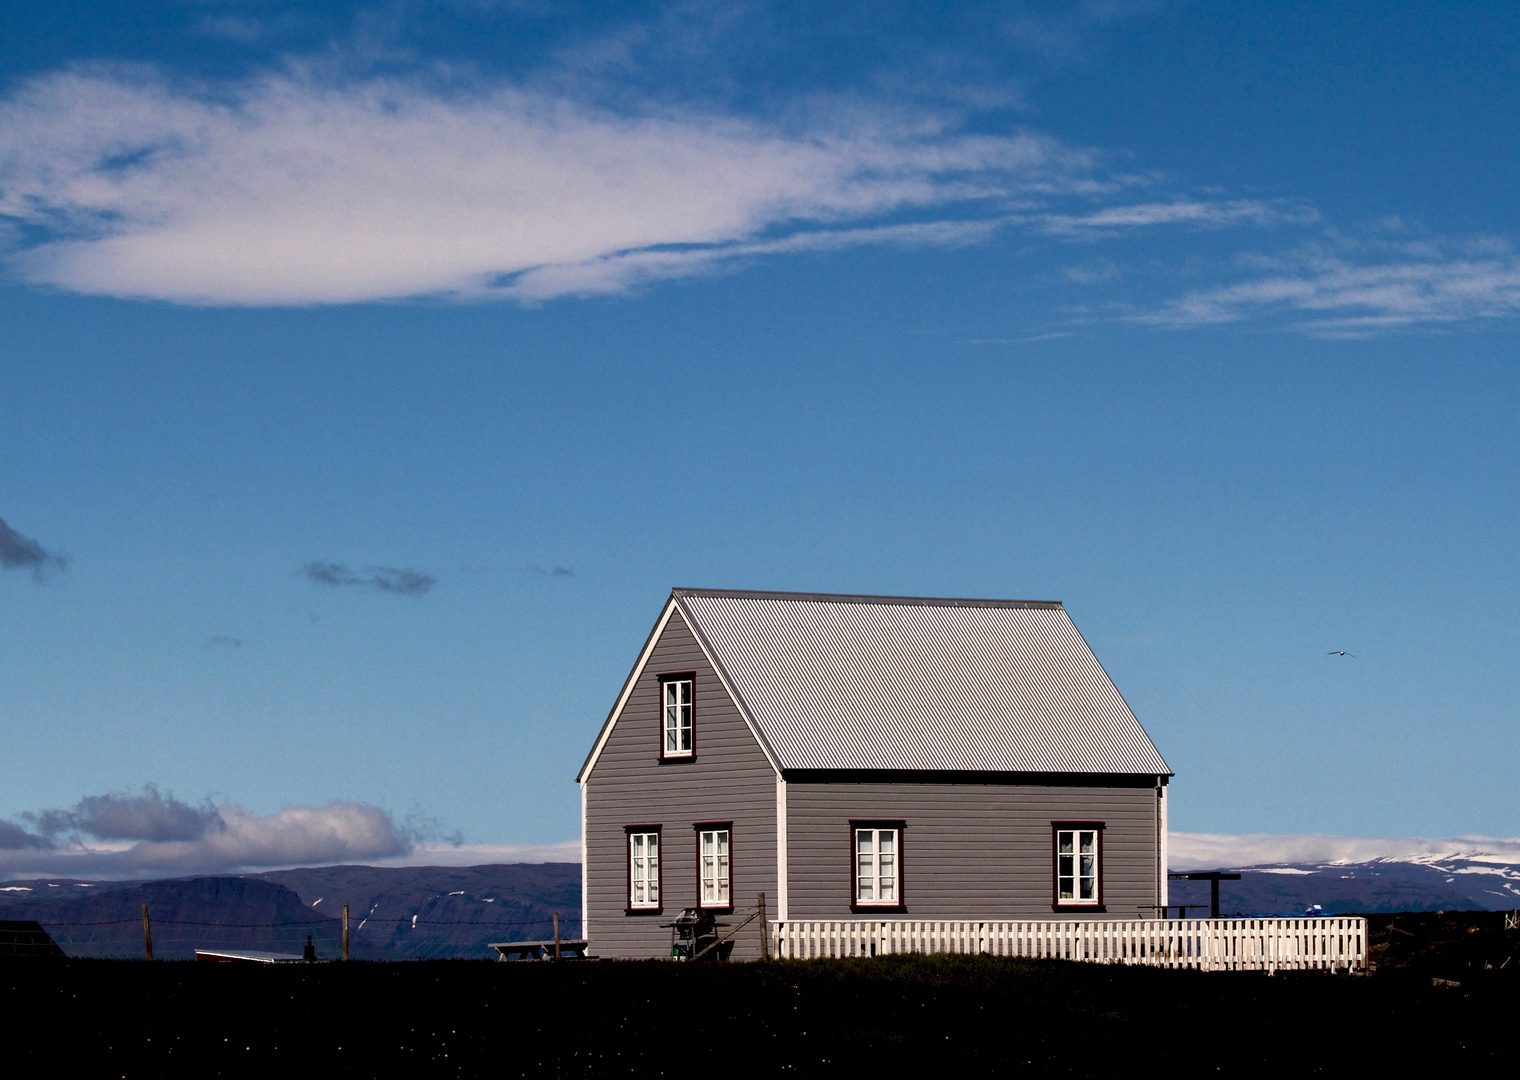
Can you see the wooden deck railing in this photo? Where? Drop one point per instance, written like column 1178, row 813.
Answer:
column 1334, row 943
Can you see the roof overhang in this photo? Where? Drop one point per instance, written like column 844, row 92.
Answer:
column 969, row 776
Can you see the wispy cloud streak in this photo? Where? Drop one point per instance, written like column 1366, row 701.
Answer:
column 19, row 552
column 552, row 571
column 1201, row 214
column 389, row 579
column 1355, row 294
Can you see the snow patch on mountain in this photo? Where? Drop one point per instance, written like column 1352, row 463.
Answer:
column 1288, row 874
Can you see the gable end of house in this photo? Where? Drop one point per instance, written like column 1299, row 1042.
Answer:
column 672, row 611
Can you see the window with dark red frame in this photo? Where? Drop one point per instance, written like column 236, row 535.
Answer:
column 678, row 715
column 876, row 864
column 644, row 870
column 715, row 865
column 1077, row 865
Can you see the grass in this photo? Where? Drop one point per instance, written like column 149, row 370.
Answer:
column 935, row 1016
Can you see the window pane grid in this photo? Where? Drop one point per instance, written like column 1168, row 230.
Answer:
column 714, row 868
column 677, row 716
column 876, row 866
column 644, row 869
column 1077, row 866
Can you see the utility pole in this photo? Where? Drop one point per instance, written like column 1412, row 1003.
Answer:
column 556, row 935
column 345, row 931
column 765, row 932
column 147, row 934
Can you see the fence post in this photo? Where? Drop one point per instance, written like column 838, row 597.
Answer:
column 345, row 931
column 556, row 935
column 147, row 934
column 765, row 932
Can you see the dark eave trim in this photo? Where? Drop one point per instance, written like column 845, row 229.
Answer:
column 964, row 776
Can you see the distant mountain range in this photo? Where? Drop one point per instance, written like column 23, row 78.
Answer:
column 1457, row 881
column 394, row 913
column 438, row 912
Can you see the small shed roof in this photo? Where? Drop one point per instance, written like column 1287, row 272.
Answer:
column 24, row 937
column 910, row 683
column 248, row 956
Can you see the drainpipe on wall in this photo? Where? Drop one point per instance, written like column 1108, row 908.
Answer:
column 585, row 904
column 1162, row 890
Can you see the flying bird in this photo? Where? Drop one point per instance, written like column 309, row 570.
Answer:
column 1341, row 652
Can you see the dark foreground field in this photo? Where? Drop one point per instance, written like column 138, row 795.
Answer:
column 910, row 1016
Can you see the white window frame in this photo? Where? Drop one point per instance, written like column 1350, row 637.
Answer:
column 677, row 716
column 714, row 867
column 1079, row 867
column 643, row 869
column 873, row 869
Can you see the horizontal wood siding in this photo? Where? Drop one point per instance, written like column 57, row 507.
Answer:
column 968, row 850
column 729, row 780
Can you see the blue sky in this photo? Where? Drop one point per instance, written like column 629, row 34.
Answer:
column 368, row 375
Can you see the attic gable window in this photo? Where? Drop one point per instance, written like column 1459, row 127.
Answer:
column 1078, row 865
column 677, row 719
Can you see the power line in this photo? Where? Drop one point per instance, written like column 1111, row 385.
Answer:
column 331, row 923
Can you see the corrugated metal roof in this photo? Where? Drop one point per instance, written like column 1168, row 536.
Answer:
column 860, row 682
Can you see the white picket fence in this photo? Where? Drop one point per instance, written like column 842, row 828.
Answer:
column 1334, row 943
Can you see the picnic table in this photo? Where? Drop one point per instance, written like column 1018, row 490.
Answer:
column 571, row 948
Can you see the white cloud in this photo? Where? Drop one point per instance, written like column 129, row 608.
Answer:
column 294, row 190
column 1365, row 292
column 149, row 833
column 1207, row 851
column 302, row 188
column 1197, row 213
column 433, row 854
column 232, row 840
column 624, row 270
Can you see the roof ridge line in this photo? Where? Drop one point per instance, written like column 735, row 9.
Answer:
column 857, row 598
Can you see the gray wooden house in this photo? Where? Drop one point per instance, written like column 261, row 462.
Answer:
column 859, row 757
